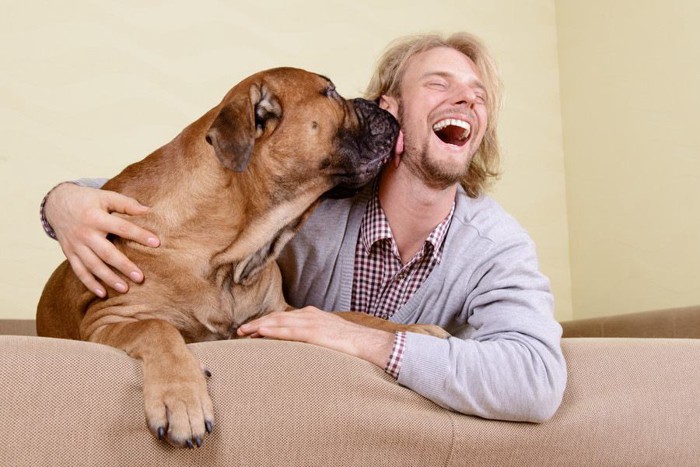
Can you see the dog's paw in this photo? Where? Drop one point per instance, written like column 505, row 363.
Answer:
column 428, row 329
column 178, row 408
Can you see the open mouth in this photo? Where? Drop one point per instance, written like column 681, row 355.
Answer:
column 453, row 131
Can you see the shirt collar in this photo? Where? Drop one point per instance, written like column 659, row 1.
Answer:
column 375, row 227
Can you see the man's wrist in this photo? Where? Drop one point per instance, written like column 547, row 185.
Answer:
column 393, row 366
column 42, row 212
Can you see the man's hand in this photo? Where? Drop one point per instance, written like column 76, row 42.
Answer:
column 322, row 328
column 82, row 218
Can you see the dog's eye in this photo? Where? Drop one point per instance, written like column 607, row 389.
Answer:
column 331, row 92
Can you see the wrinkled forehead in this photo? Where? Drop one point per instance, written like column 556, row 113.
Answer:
column 302, row 84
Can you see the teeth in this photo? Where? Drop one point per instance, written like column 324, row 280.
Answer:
column 453, row 122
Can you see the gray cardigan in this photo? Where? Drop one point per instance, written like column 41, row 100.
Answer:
column 504, row 361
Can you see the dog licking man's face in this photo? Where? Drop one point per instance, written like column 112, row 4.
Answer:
column 365, row 151
column 363, row 134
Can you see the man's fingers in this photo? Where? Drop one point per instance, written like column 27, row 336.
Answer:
column 117, row 202
column 314, row 326
column 96, row 267
column 130, row 231
column 110, row 255
column 82, row 219
column 284, row 332
column 85, row 276
column 289, row 325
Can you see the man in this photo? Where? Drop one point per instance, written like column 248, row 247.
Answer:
column 415, row 246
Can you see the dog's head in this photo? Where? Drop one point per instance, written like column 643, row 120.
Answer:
column 292, row 127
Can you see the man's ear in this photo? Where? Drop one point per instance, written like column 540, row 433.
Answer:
column 390, row 104
column 239, row 123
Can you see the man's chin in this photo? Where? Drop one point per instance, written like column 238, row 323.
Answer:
column 448, row 171
column 439, row 176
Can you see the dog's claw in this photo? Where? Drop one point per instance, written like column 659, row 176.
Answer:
column 207, row 373
column 198, row 441
column 189, row 444
column 208, row 426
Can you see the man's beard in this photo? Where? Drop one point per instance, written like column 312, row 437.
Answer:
column 435, row 174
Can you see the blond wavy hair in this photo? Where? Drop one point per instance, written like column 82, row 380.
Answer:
column 389, row 72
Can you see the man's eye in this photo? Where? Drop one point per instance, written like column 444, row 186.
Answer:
column 437, row 85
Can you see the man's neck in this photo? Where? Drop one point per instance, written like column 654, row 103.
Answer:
column 412, row 208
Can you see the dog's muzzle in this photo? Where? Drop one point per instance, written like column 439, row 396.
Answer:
column 366, row 149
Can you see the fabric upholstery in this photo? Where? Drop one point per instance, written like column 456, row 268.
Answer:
column 683, row 323
column 628, row 402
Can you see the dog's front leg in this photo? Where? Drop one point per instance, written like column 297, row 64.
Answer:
column 178, row 406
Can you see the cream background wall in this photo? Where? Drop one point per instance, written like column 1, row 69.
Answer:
column 630, row 73
column 88, row 87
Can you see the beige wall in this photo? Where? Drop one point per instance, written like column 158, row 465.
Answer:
column 630, row 73
column 88, row 87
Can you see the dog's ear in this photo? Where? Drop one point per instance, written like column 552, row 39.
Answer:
column 239, row 123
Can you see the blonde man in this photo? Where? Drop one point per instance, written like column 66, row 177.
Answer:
column 422, row 244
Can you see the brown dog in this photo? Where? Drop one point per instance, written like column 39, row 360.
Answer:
column 226, row 195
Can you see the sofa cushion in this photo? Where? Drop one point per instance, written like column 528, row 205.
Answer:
column 683, row 323
column 628, row 402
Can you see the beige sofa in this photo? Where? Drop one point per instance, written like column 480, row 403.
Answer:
column 629, row 401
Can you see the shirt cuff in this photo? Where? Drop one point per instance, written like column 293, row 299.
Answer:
column 394, row 365
column 42, row 213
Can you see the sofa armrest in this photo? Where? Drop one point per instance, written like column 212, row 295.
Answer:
column 18, row 327
column 681, row 323
column 628, row 402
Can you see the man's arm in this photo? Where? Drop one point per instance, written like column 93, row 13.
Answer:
column 318, row 327
column 504, row 363
column 507, row 362
column 80, row 217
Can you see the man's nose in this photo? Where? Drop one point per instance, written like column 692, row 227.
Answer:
column 464, row 95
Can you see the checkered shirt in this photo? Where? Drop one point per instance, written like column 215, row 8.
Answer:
column 381, row 283
column 44, row 223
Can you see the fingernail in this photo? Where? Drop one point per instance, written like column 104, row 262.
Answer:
column 120, row 287
column 100, row 293
column 152, row 241
column 136, row 276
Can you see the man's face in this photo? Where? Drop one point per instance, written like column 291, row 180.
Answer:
column 443, row 116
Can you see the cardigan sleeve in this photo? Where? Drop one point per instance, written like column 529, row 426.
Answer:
column 506, row 362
